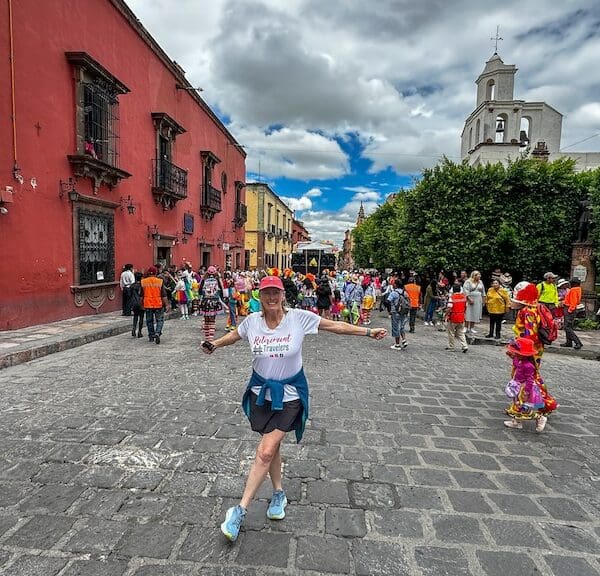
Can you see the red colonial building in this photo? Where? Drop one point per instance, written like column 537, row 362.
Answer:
column 109, row 156
column 299, row 232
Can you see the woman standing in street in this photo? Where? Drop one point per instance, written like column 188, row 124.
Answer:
column 431, row 302
column 276, row 397
column 498, row 302
column 475, row 292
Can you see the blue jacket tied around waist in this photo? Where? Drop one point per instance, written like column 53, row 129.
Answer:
column 276, row 387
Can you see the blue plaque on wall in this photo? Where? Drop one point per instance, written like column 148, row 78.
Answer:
column 188, row 223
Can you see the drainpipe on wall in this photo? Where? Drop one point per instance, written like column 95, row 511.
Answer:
column 16, row 169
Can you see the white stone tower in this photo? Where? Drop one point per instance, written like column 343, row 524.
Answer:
column 501, row 127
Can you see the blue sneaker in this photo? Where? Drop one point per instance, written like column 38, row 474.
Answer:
column 276, row 509
column 233, row 522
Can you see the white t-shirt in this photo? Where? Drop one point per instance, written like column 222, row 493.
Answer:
column 127, row 279
column 277, row 354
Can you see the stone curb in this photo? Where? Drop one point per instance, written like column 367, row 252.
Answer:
column 586, row 353
column 21, row 356
column 39, row 351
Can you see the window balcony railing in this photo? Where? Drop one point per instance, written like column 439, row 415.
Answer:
column 170, row 182
column 210, row 202
column 241, row 214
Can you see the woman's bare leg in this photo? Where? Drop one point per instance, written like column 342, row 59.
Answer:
column 267, row 457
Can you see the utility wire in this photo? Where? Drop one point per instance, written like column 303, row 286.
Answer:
column 342, row 153
column 580, row 141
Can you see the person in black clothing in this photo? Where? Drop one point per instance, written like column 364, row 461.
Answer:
column 291, row 291
column 137, row 305
column 324, row 297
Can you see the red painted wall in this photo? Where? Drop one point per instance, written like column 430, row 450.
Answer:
column 36, row 266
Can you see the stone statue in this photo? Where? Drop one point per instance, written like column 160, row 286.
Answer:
column 584, row 222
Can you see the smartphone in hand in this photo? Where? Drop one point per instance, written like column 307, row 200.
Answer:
column 208, row 346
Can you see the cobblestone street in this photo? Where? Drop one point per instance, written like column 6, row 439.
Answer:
column 120, row 457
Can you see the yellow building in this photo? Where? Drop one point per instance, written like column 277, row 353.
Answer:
column 268, row 240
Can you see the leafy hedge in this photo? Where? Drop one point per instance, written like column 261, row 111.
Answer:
column 521, row 217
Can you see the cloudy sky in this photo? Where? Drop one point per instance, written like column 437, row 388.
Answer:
column 342, row 101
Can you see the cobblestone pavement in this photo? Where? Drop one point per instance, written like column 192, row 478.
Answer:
column 119, row 458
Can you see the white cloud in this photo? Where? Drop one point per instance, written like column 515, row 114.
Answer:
column 325, row 225
column 314, row 193
column 295, row 78
column 358, row 189
column 387, row 74
column 298, row 204
column 291, row 153
column 587, row 116
column 370, row 196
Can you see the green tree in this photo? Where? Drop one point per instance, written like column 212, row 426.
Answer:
column 521, row 217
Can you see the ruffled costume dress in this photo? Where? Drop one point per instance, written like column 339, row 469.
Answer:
column 530, row 397
column 210, row 304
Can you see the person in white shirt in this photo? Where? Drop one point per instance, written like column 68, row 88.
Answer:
column 276, row 398
column 126, row 282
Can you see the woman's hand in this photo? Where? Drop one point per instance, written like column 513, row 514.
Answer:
column 378, row 333
column 207, row 347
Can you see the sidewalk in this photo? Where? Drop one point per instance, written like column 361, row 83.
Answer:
column 25, row 344
column 590, row 340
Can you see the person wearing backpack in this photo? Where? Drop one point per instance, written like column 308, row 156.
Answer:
column 548, row 292
column 399, row 307
column 528, row 319
column 528, row 324
column 389, row 287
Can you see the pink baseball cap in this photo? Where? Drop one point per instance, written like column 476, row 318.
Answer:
column 271, row 282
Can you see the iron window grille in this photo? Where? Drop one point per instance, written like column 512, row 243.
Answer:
column 96, row 247
column 101, row 121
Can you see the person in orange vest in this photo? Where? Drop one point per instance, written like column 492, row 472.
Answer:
column 456, row 307
column 154, row 296
column 570, row 303
column 414, row 295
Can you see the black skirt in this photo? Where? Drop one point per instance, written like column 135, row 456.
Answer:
column 263, row 419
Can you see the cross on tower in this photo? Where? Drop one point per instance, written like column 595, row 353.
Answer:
column 496, row 39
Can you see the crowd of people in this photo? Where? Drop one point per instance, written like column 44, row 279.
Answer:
column 282, row 307
column 348, row 296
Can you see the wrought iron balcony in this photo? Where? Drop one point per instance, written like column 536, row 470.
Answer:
column 170, row 183
column 210, row 202
column 241, row 214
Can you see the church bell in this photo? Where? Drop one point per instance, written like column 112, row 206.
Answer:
column 500, row 126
